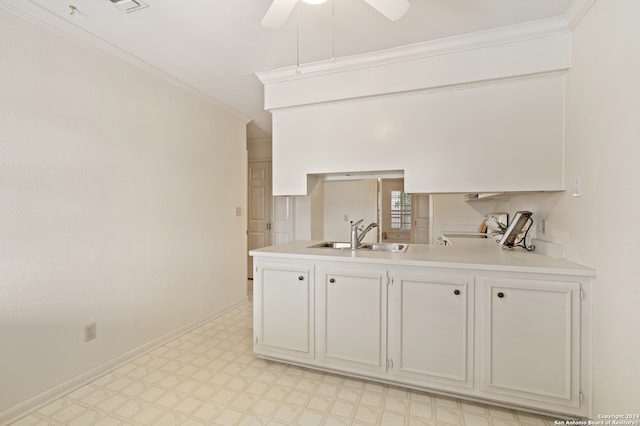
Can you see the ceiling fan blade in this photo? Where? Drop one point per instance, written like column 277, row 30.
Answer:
column 391, row 9
column 278, row 13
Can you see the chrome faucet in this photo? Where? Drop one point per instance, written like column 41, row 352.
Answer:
column 356, row 238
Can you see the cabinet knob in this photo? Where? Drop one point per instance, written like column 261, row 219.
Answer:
column 332, row 280
column 501, row 295
column 300, row 278
column 456, row 292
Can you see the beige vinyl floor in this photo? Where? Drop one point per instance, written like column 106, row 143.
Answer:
column 210, row 376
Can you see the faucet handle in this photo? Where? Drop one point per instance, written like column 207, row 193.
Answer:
column 355, row 224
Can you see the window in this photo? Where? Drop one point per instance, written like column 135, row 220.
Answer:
column 396, row 221
column 400, row 211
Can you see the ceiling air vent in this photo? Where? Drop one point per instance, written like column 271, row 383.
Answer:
column 128, row 6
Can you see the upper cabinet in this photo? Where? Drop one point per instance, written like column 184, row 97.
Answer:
column 485, row 117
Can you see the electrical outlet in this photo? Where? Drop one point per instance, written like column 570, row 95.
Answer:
column 90, row 332
column 543, row 226
column 577, row 186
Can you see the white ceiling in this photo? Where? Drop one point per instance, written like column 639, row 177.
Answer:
column 214, row 47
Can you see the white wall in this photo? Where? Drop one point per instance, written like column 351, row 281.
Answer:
column 117, row 206
column 452, row 209
column 600, row 228
column 355, row 199
column 259, row 149
column 315, row 220
column 451, row 213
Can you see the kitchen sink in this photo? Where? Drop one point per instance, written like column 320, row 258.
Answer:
column 393, row 247
column 388, row 247
column 332, row 244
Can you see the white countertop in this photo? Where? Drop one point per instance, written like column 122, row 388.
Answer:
column 478, row 254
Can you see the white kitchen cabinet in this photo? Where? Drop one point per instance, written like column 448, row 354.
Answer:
column 351, row 317
column 283, row 309
column 508, row 327
column 530, row 341
column 431, row 328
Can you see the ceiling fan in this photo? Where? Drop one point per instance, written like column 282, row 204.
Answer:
column 280, row 10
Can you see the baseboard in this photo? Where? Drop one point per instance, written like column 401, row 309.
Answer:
column 25, row 408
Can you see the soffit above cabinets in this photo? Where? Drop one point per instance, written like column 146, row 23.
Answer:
column 457, row 122
column 475, row 138
column 429, row 66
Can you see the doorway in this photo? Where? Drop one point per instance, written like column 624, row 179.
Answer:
column 401, row 217
column 259, row 209
column 404, row 218
column 270, row 219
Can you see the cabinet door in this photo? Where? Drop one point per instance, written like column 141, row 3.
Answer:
column 283, row 309
column 531, row 340
column 431, row 328
column 352, row 317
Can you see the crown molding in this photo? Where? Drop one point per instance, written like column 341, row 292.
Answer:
column 52, row 23
column 470, row 41
column 577, row 10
